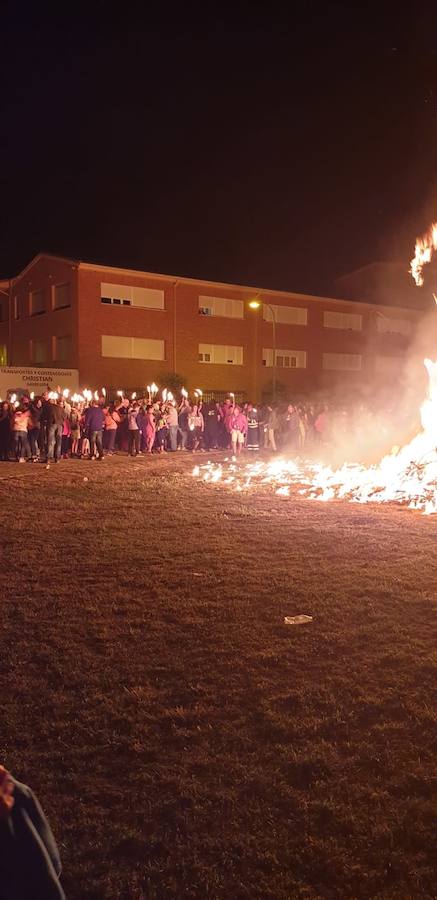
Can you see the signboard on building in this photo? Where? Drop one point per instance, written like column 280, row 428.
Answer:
column 16, row 379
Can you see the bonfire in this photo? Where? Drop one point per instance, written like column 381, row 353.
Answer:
column 407, row 475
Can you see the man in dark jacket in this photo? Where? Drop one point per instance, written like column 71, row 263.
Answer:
column 95, row 419
column 55, row 425
column 29, row 860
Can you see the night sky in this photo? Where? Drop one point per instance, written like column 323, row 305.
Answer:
column 244, row 147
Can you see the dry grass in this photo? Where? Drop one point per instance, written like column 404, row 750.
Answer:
column 184, row 742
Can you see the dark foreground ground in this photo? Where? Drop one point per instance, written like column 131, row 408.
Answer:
column 184, row 741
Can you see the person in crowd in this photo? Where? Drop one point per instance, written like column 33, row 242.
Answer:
column 161, row 430
column 303, row 426
column 55, row 425
column 30, row 865
column 292, row 428
column 75, row 431
column 271, row 426
column 184, row 431
column 84, row 435
column 150, row 429
column 252, row 442
column 211, row 416
column 122, row 439
column 134, row 431
column 95, row 419
column 196, row 425
column 20, row 424
column 112, row 420
column 227, row 413
column 320, row 425
column 238, row 430
column 5, row 431
column 35, row 410
column 141, row 422
column 173, row 426
column 44, row 427
column 66, row 433
column 311, row 418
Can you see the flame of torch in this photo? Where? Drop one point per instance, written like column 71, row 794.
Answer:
column 104, row 392
column 184, row 392
column 65, row 393
column 164, row 395
column 134, row 396
column 423, row 253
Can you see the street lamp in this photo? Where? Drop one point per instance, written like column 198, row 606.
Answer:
column 256, row 304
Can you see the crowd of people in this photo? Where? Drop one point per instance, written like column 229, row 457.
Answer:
column 51, row 427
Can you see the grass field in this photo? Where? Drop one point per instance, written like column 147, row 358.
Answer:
column 184, row 742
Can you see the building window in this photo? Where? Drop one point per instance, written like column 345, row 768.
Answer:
column 132, row 347
column 286, row 359
column 62, row 348
column 345, row 321
column 387, row 325
column 39, row 352
column 3, row 355
column 37, row 303
column 220, row 354
column 126, row 295
column 221, row 306
column 61, row 296
column 20, row 306
column 344, row 362
column 285, row 315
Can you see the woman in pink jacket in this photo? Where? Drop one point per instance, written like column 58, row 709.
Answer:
column 150, row 429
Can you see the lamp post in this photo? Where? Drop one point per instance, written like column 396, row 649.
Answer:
column 256, row 304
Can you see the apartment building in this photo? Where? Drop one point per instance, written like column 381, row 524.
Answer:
column 122, row 329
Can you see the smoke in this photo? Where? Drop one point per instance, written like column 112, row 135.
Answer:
column 376, row 418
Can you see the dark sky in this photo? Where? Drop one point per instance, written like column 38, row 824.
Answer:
column 247, row 147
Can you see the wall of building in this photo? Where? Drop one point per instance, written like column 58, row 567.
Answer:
column 4, row 322
column 46, row 274
column 242, row 334
column 97, row 319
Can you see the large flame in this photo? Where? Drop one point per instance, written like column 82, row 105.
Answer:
column 423, row 252
column 407, row 476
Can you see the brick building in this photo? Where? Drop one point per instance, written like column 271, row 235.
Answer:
column 122, row 329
